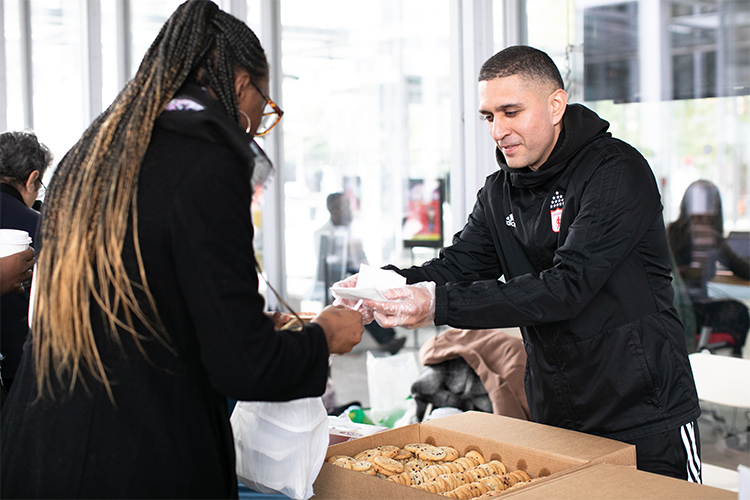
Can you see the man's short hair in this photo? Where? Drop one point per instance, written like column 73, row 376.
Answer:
column 20, row 154
column 528, row 62
column 334, row 201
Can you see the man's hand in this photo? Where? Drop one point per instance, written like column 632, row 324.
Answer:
column 343, row 328
column 15, row 270
column 410, row 306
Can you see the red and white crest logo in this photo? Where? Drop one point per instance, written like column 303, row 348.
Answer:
column 556, row 215
column 555, row 211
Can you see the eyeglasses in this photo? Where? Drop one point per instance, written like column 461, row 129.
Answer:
column 270, row 117
column 42, row 190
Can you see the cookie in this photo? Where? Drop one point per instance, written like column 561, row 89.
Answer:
column 415, row 477
column 345, row 462
column 333, row 458
column 522, row 475
column 451, row 453
column 476, row 456
column 387, row 466
column 360, row 466
column 367, row 455
column 464, row 464
column 497, row 466
column 431, row 453
column 403, row 454
column 416, row 464
column 402, row 478
column 495, row 483
column 388, row 451
column 415, row 447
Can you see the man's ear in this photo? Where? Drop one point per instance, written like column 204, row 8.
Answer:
column 558, row 101
column 31, row 181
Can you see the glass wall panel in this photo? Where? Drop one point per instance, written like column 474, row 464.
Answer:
column 57, row 73
column 672, row 77
column 148, row 16
column 110, row 82
column 367, row 109
column 14, row 97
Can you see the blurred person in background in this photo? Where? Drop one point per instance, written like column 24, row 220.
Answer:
column 697, row 241
column 148, row 315
column 23, row 162
column 340, row 252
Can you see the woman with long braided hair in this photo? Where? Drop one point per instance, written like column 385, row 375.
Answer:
column 147, row 313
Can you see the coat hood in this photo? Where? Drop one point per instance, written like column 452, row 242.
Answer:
column 587, row 125
column 193, row 112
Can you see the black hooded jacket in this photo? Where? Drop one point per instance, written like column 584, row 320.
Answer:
column 576, row 254
column 167, row 433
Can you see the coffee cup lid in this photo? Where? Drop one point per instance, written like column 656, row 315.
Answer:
column 14, row 237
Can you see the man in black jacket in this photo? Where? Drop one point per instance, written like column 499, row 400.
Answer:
column 567, row 242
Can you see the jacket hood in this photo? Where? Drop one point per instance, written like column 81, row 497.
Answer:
column 580, row 126
column 195, row 113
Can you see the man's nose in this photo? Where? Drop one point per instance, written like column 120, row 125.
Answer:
column 499, row 130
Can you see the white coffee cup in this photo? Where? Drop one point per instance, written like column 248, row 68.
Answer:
column 13, row 241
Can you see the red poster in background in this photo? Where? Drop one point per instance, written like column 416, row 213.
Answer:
column 423, row 224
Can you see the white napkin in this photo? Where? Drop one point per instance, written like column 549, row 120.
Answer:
column 371, row 281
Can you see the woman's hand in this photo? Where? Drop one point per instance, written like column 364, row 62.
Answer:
column 343, row 328
column 356, row 305
column 279, row 319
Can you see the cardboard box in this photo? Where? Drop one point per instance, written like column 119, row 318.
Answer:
column 615, row 482
column 540, row 450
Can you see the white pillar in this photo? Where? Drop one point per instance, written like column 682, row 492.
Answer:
column 274, row 247
column 473, row 152
column 91, row 44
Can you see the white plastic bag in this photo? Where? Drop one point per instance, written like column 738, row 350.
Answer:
column 389, row 379
column 280, row 447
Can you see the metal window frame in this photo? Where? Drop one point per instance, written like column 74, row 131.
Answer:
column 3, row 72
column 91, row 43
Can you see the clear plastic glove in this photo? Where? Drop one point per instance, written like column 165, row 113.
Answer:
column 410, row 306
column 351, row 282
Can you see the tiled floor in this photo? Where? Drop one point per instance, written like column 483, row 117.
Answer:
column 349, row 374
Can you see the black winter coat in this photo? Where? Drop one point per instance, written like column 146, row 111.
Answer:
column 581, row 249
column 14, row 307
column 168, row 433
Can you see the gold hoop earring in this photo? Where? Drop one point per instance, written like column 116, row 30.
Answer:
column 247, row 130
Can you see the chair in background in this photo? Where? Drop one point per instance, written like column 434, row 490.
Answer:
column 722, row 380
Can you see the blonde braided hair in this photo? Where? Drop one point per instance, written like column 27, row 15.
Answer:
column 94, row 192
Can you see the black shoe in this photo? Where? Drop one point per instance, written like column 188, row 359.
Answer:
column 394, row 345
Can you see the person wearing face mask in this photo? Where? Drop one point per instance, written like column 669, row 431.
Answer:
column 155, row 318
column 23, row 162
column 567, row 241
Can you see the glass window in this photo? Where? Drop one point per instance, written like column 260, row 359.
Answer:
column 14, row 97
column 672, row 78
column 57, row 73
column 367, row 109
column 110, row 79
column 147, row 18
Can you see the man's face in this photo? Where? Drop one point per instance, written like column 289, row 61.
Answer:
column 524, row 118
